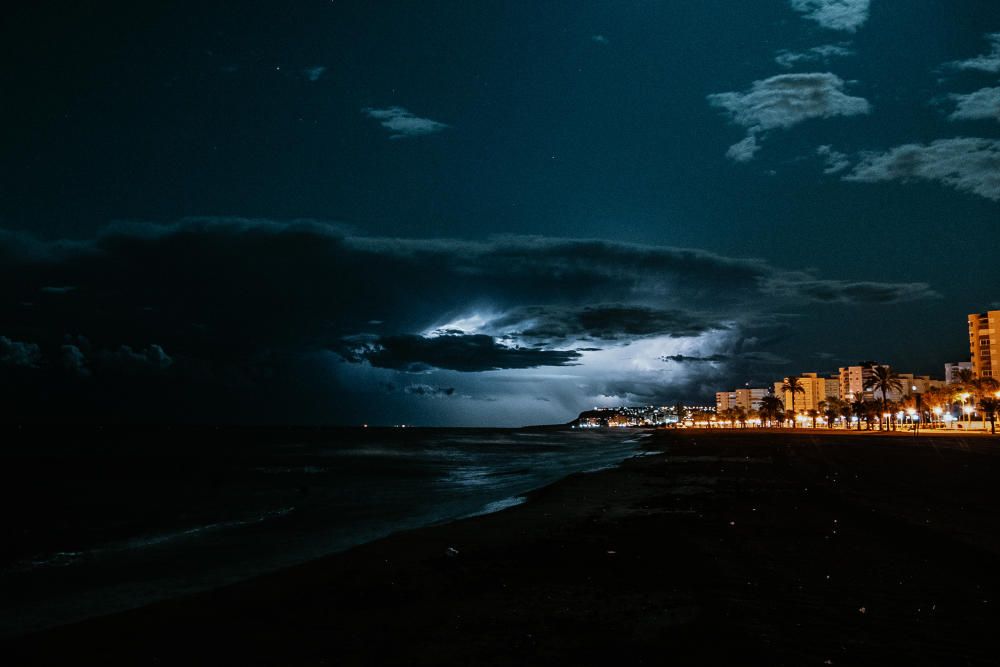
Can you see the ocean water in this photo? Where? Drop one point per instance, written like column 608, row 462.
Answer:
column 111, row 527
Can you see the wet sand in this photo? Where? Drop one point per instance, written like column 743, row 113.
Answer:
column 805, row 548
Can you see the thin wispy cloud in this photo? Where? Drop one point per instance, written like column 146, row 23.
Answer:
column 314, row 73
column 823, row 53
column 600, row 39
column 402, row 123
column 784, row 101
column 847, row 15
column 988, row 62
column 967, row 164
column 834, row 161
column 983, row 104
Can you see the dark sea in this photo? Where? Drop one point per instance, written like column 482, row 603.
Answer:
column 105, row 521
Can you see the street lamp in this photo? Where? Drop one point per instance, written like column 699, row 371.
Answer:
column 966, row 409
column 918, row 399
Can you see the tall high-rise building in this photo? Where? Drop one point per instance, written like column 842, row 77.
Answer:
column 984, row 343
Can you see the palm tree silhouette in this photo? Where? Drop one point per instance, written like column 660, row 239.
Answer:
column 859, row 406
column 793, row 385
column 771, row 407
column 884, row 379
column 831, row 408
column 740, row 415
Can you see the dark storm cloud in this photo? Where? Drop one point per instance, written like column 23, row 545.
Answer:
column 19, row 353
column 209, row 316
column 125, row 359
column 747, row 357
column 685, row 359
column 835, row 291
column 428, row 391
column 74, row 360
column 465, row 353
column 605, row 322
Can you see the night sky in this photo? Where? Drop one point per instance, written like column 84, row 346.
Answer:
column 484, row 213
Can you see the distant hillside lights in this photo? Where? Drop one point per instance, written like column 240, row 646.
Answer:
column 644, row 416
column 625, row 416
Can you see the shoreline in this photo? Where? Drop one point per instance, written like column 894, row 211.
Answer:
column 748, row 546
column 116, row 573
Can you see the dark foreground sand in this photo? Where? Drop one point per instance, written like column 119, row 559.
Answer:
column 732, row 548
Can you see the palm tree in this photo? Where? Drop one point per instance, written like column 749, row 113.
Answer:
column 831, row 410
column 936, row 399
column 865, row 411
column 814, row 414
column 740, row 415
column 985, row 387
column 872, row 413
column 965, row 389
column 859, row 406
column 846, row 411
column 990, row 405
column 793, row 385
column 771, row 408
column 884, row 379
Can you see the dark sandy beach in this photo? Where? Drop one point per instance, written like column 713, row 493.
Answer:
column 730, row 548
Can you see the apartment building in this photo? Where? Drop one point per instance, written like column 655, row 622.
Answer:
column 852, row 381
column 984, row 343
column 725, row 400
column 749, row 399
column 817, row 389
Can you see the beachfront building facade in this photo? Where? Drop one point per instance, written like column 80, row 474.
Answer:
column 817, row 390
column 953, row 372
column 725, row 400
column 749, row 399
column 984, row 343
column 916, row 384
column 746, row 398
column 852, row 381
